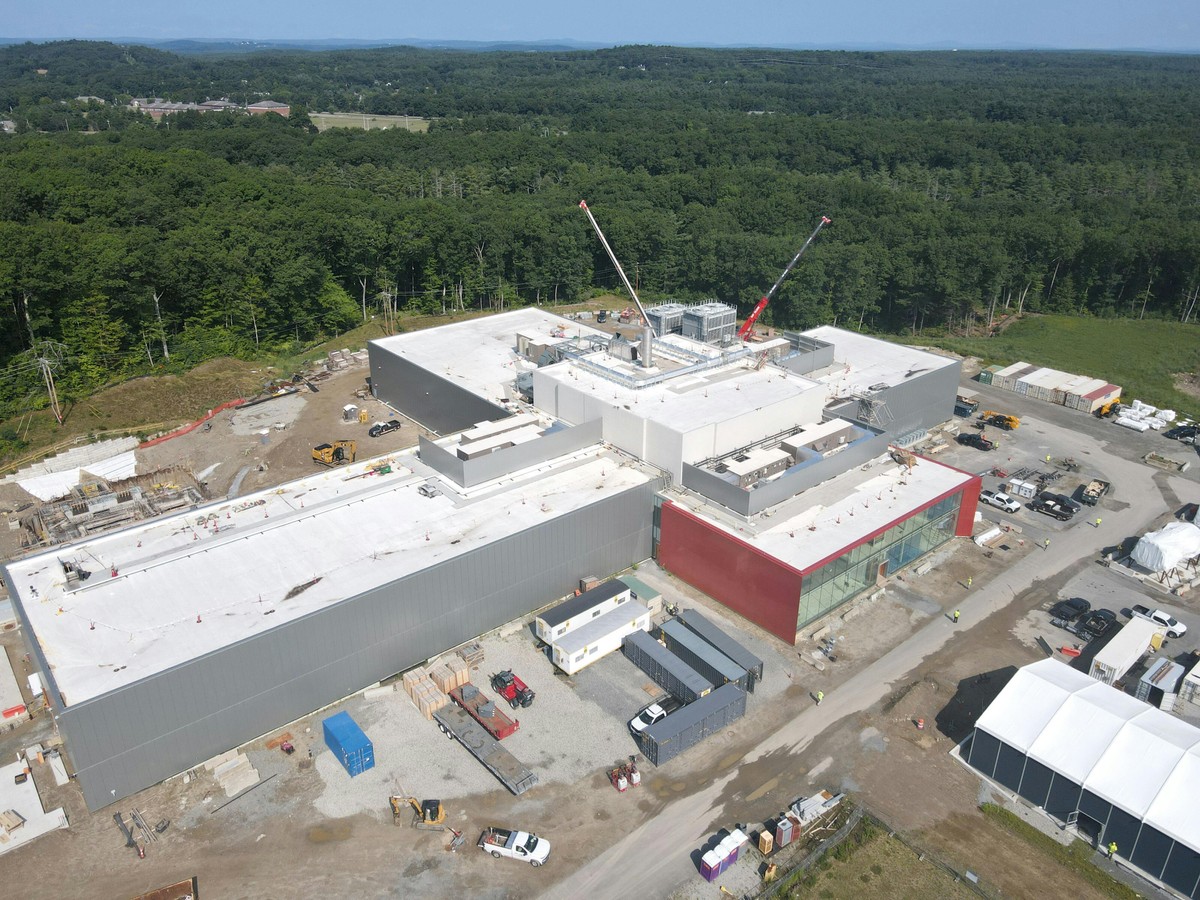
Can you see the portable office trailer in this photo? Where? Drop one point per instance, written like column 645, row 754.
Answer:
column 588, row 643
column 586, row 607
column 1121, row 653
column 669, row 672
column 701, row 655
column 687, row 727
column 725, row 643
column 349, row 744
column 644, row 594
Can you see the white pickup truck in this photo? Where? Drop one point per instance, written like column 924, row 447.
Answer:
column 1174, row 627
column 515, row 844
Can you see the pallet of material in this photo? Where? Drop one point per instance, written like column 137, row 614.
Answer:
column 410, row 678
column 471, row 654
column 11, row 820
column 429, row 698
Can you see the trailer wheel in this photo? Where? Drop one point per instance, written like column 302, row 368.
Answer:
column 495, row 854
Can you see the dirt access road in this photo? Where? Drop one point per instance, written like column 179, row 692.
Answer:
column 655, row 858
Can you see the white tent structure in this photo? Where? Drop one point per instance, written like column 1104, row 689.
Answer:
column 1088, row 754
column 1163, row 550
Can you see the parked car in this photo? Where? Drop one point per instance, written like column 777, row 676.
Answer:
column 1096, row 623
column 1070, row 610
column 655, row 712
column 380, row 428
column 1174, row 627
column 978, row 441
column 1000, row 500
column 1052, row 508
column 1179, row 432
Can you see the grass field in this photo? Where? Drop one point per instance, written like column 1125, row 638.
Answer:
column 1145, row 357
column 325, row 121
column 879, row 866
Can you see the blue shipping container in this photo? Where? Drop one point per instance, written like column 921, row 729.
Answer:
column 349, row 744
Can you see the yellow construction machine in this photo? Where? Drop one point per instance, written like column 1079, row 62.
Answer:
column 1109, row 409
column 428, row 815
column 999, row 420
column 336, row 454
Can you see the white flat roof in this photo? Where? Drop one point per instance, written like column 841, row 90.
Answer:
column 233, row 564
column 756, row 459
column 823, row 520
column 480, row 355
column 691, row 400
column 1133, row 755
column 861, row 361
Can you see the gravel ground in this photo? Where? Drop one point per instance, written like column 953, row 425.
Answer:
column 285, row 410
column 574, row 729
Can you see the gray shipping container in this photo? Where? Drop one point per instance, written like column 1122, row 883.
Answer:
column 702, row 656
column 669, row 672
column 724, row 642
column 687, row 727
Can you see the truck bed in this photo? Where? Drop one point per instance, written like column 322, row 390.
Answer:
column 498, row 725
column 485, row 748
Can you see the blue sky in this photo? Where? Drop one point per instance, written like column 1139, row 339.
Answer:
column 1068, row 24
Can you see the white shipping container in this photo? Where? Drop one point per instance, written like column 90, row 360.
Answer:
column 1119, row 655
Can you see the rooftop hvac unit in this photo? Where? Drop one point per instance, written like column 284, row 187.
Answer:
column 712, row 323
column 667, row 318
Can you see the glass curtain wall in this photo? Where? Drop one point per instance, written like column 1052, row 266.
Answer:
column 857, row 569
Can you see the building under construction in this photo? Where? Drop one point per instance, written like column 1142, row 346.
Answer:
column 754, row 472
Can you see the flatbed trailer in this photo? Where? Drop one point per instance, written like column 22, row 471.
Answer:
column 484, row 711
column 456, row 723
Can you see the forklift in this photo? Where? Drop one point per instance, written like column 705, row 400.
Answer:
column 338, row 453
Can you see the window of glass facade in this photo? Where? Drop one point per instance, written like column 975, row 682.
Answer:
column 857, row 569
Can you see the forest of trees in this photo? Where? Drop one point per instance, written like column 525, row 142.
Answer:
column 959, row 184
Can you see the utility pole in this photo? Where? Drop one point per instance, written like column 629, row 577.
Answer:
column 49, row 355
column 162, row 332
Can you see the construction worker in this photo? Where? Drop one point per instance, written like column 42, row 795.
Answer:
column 1112, row 849
column 820, row 697
column 970, row 581
column 1046, row 544
column 956, row 614
column 1098, row 521
column 1047, row 457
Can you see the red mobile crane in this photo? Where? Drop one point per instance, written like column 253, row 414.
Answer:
column 748, row 326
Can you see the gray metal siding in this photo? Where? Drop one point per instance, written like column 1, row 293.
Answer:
column 437, row 403
column 919, row 404
column 470, row 472
column 138, row 735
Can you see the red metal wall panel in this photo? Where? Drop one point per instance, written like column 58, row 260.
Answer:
column 966, row 511
column 748, row 581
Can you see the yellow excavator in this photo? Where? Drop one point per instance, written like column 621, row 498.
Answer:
column 339, row 453
column 428, row 815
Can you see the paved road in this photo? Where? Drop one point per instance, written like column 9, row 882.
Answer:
column 654, row 859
